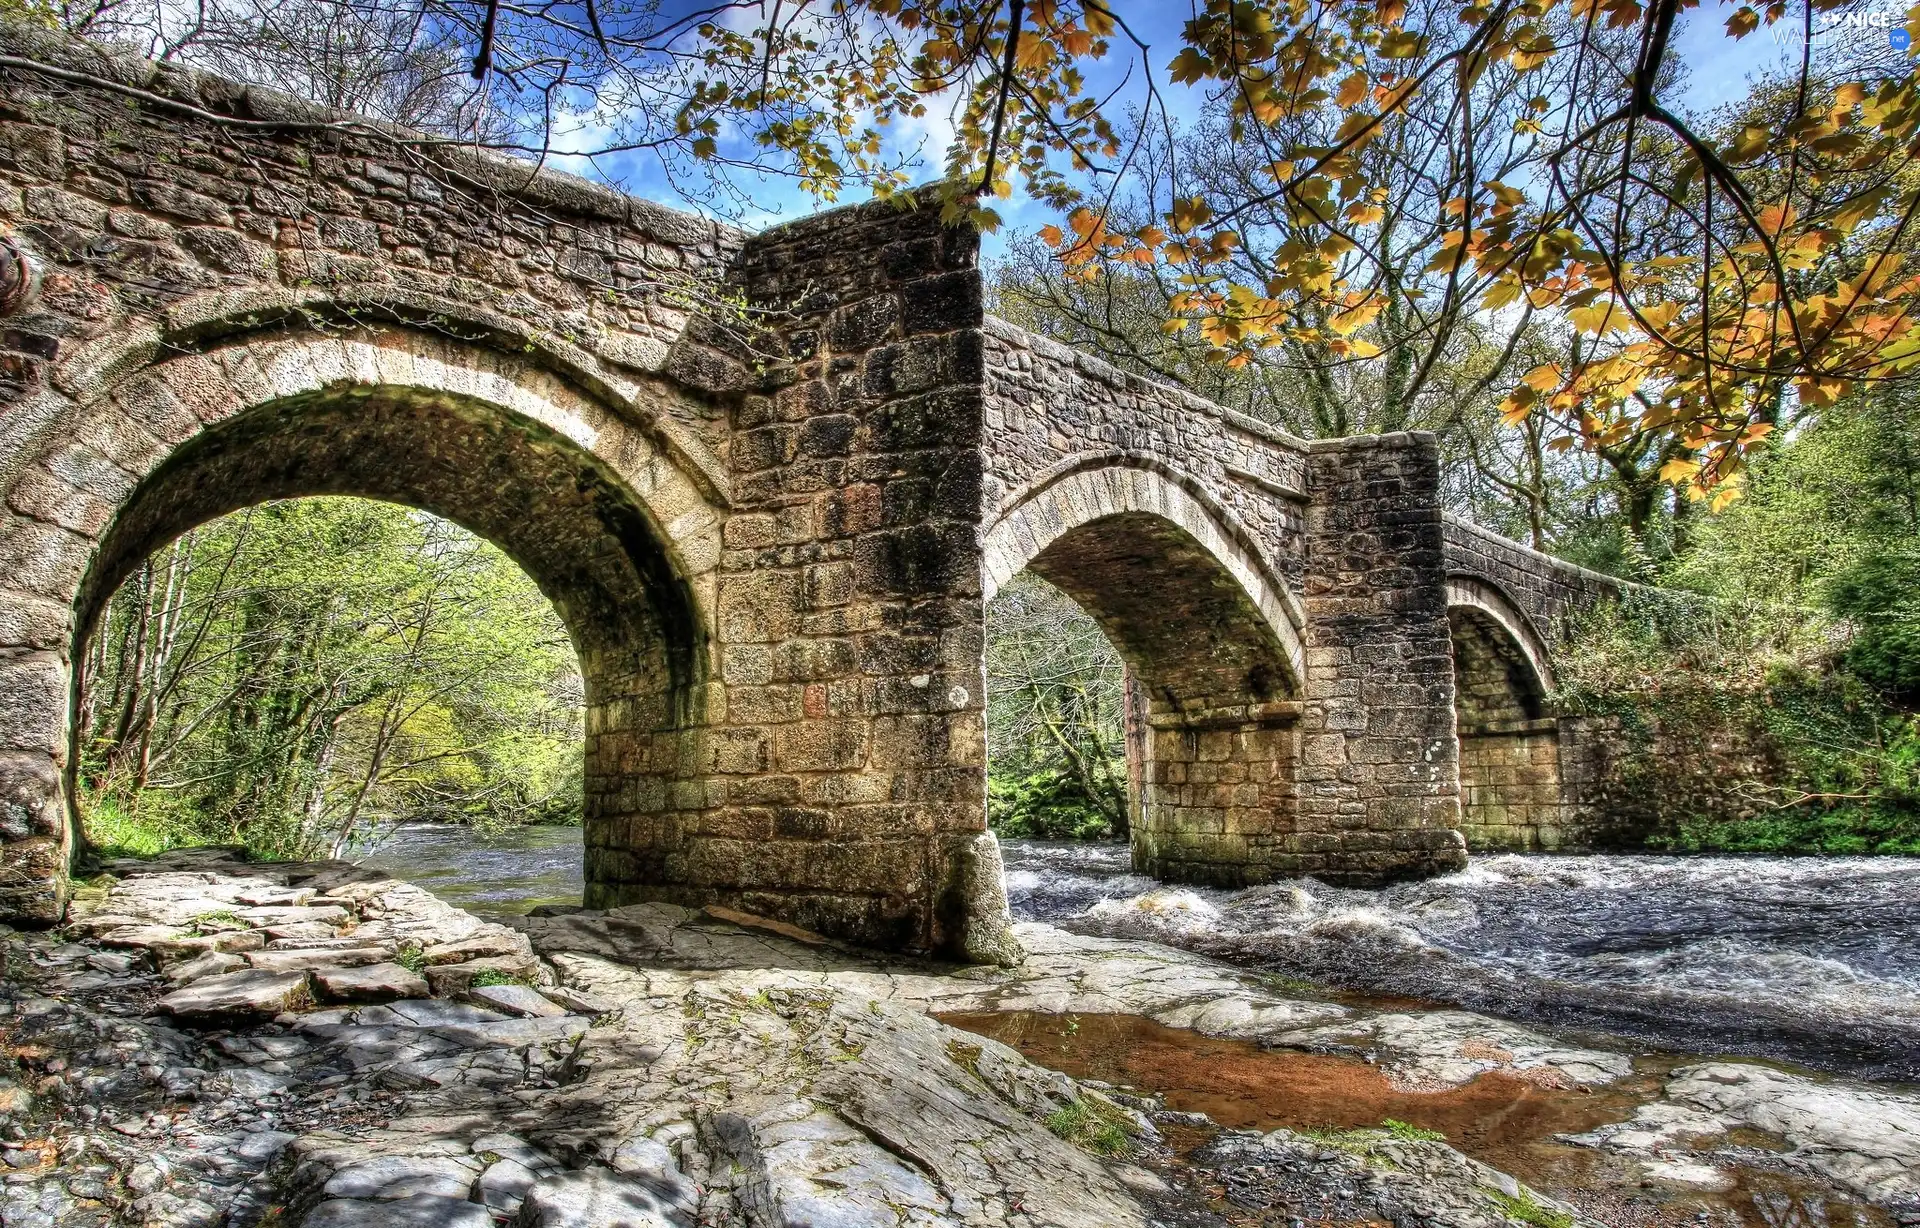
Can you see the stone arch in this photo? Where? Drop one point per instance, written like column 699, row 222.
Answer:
column 616, row 534
column 1489, row 605
column 1510, row 782
column 1211, row 641
column 1039, row 514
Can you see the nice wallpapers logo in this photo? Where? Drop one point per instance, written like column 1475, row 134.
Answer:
column 1865, row 27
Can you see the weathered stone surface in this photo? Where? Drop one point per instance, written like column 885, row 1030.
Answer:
column 212, row 963
column 373, row 983
column 595, row 1198
column 389, row 1177
column 1866, row 1139
column 517, row 1000
column 420, row 1211
column 309, row 960
column 455, row 980
column 239, row 993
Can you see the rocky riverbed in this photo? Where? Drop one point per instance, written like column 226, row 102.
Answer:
column 213, row 1042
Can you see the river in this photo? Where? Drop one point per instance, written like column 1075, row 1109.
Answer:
column 1814, row 961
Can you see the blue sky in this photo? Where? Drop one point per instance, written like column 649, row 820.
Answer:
column 1718, row 69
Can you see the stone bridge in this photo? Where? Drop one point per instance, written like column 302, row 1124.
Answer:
column 768, row 480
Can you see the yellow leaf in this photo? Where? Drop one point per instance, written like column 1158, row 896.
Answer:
column 1744, row 22
column 1599, row 318
column 1352, row 90
column 1401, row 44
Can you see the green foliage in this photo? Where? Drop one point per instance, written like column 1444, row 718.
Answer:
column 297, row 674
column 1527, row 1210
column 1877, row 593
column 1056, row 759
column 493, row 976
column 1367, row 1141
column 413, row 959
column 116, row 833
column 1049, row 804
column 1093, row 1124
column 1799, row 661
column 1408, row 1133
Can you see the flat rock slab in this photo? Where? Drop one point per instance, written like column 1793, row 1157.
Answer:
column 597, row 1198
column 213, row 963
column 496, row 941
column 252, row 992
column 452, row 980
column 520, row 1000
column 390, row 1178
column 419, row 1211
column 303, row 961
column 373, row 983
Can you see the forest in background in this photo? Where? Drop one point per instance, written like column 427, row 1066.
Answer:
column 297, row 676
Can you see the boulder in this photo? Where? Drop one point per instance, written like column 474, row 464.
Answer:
column 252, row 992
column 596, row 1198
column 372, row 983
column 516, row 1000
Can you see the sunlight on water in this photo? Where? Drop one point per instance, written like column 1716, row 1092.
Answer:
column 508, row 872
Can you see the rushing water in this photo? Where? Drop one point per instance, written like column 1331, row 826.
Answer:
column 510, row 871
column 1812, row 960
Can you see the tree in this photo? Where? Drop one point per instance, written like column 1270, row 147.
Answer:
column 1054, row 703
column 1720, row 275
column 290, row 675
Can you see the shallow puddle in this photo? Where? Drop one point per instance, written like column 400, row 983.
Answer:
column 1502, row 1120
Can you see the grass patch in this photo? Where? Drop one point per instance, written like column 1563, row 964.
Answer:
column 1407, row 1132
column 1094, row 1125
column 413, row 959
column 216, row 921
column 1367, row 1141
column 113, row 832
column 493, row 976
column 1527, row 1211
column 965, row 1056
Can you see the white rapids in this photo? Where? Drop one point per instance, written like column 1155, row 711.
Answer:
column 1812, row 960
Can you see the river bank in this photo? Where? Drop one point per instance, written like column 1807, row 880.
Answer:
column 715, row 1070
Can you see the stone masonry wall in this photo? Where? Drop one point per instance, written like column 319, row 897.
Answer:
column 847, row 785
column 1052, row 409
column 1379, row 778
column 771, row 530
